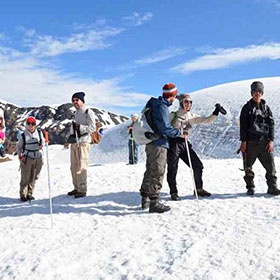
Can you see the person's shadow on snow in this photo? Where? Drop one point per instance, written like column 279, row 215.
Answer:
column 108, row 204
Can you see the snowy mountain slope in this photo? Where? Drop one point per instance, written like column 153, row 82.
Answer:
column 220, row 139
column 56, row 119
column 106, row 236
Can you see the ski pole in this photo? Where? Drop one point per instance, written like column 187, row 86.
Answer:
column 132, row 147
column 190, row 162
column 78, row 145
column 49, row 179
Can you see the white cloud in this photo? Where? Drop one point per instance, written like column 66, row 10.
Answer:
column 90, row 40
column 28, row 82
column 2, row 36
column 137, row 19
column 221, row 58
column 160, row 56
column 154, row 58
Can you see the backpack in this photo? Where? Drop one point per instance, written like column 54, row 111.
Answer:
column 143, row 132
column 96, row 135
column 24, row 139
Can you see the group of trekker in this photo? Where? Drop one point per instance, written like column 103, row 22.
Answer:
column 173, row 130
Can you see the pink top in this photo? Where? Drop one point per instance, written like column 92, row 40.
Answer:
column 2, row 135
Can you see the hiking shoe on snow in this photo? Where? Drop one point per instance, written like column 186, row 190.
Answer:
column 250, row 192
column 175, row 197
column 30, row 197
column 23, row 199
column 274, row 191
column 145, row 203
column 72, row 192
column 80, row 194
column 202, row 192
column 157, row 207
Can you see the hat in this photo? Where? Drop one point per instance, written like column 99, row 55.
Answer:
column 257, row 86
column 31, row 120
column 134, row 115
column 80, row 95
column 169, row 90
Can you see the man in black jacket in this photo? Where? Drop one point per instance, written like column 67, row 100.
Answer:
column 257, row 136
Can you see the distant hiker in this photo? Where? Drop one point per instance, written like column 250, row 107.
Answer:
column 133, row 147
column 184, row 120
column 81, row 129
column 2, row 135
column 156, row 151
column 29, row 153
column 257, row 136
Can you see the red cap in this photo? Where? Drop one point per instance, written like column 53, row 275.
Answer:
column 31, row 120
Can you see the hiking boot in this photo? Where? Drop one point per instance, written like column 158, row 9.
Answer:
column 145, row 203
column 250, row 191
column 274, row 191
column 80, row 194
column 157, row 207
column 175, row 197
column 30, row 197
column 23, row 199
column 202, row 192
column 72, row 192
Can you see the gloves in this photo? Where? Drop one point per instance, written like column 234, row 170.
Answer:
column 219, row 109
column 76, row 126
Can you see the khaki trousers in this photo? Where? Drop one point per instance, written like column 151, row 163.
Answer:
column 30, row 170
column 156, row 158
column 79, row 164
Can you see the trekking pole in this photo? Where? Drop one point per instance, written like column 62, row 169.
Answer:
column 191, row 170
column 190, row 162
column 78, row 145
column 132, row 147
column 49, row 179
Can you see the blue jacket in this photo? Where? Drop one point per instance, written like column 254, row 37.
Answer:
column 160, row 118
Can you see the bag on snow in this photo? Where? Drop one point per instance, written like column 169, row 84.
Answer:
column 143, row 132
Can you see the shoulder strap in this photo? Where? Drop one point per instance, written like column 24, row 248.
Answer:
column 24, row 141
column 40, row 136
column 175, row 117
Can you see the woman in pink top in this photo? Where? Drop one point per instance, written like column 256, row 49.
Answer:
column 2, row 136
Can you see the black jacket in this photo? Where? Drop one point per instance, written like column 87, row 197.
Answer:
column 256, row 122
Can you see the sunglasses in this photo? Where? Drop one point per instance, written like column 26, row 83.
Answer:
column 257, row 91
column 31, row 123
column 188, row 101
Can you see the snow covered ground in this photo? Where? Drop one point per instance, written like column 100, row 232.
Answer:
column 107, row 236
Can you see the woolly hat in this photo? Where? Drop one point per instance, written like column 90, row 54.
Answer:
column 31, row 120
column 257, row 86
column 134, row 115
column 169, row 90
column 80, row 95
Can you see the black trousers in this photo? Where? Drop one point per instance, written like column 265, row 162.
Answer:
column 257, row 150
column 178, row 150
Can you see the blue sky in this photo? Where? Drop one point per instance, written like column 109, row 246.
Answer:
column 122, row 52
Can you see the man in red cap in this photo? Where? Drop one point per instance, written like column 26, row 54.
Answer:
column 29, row 153
column 156, row 151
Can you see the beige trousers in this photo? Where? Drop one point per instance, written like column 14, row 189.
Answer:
column 30, row 170
column 79, row 163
